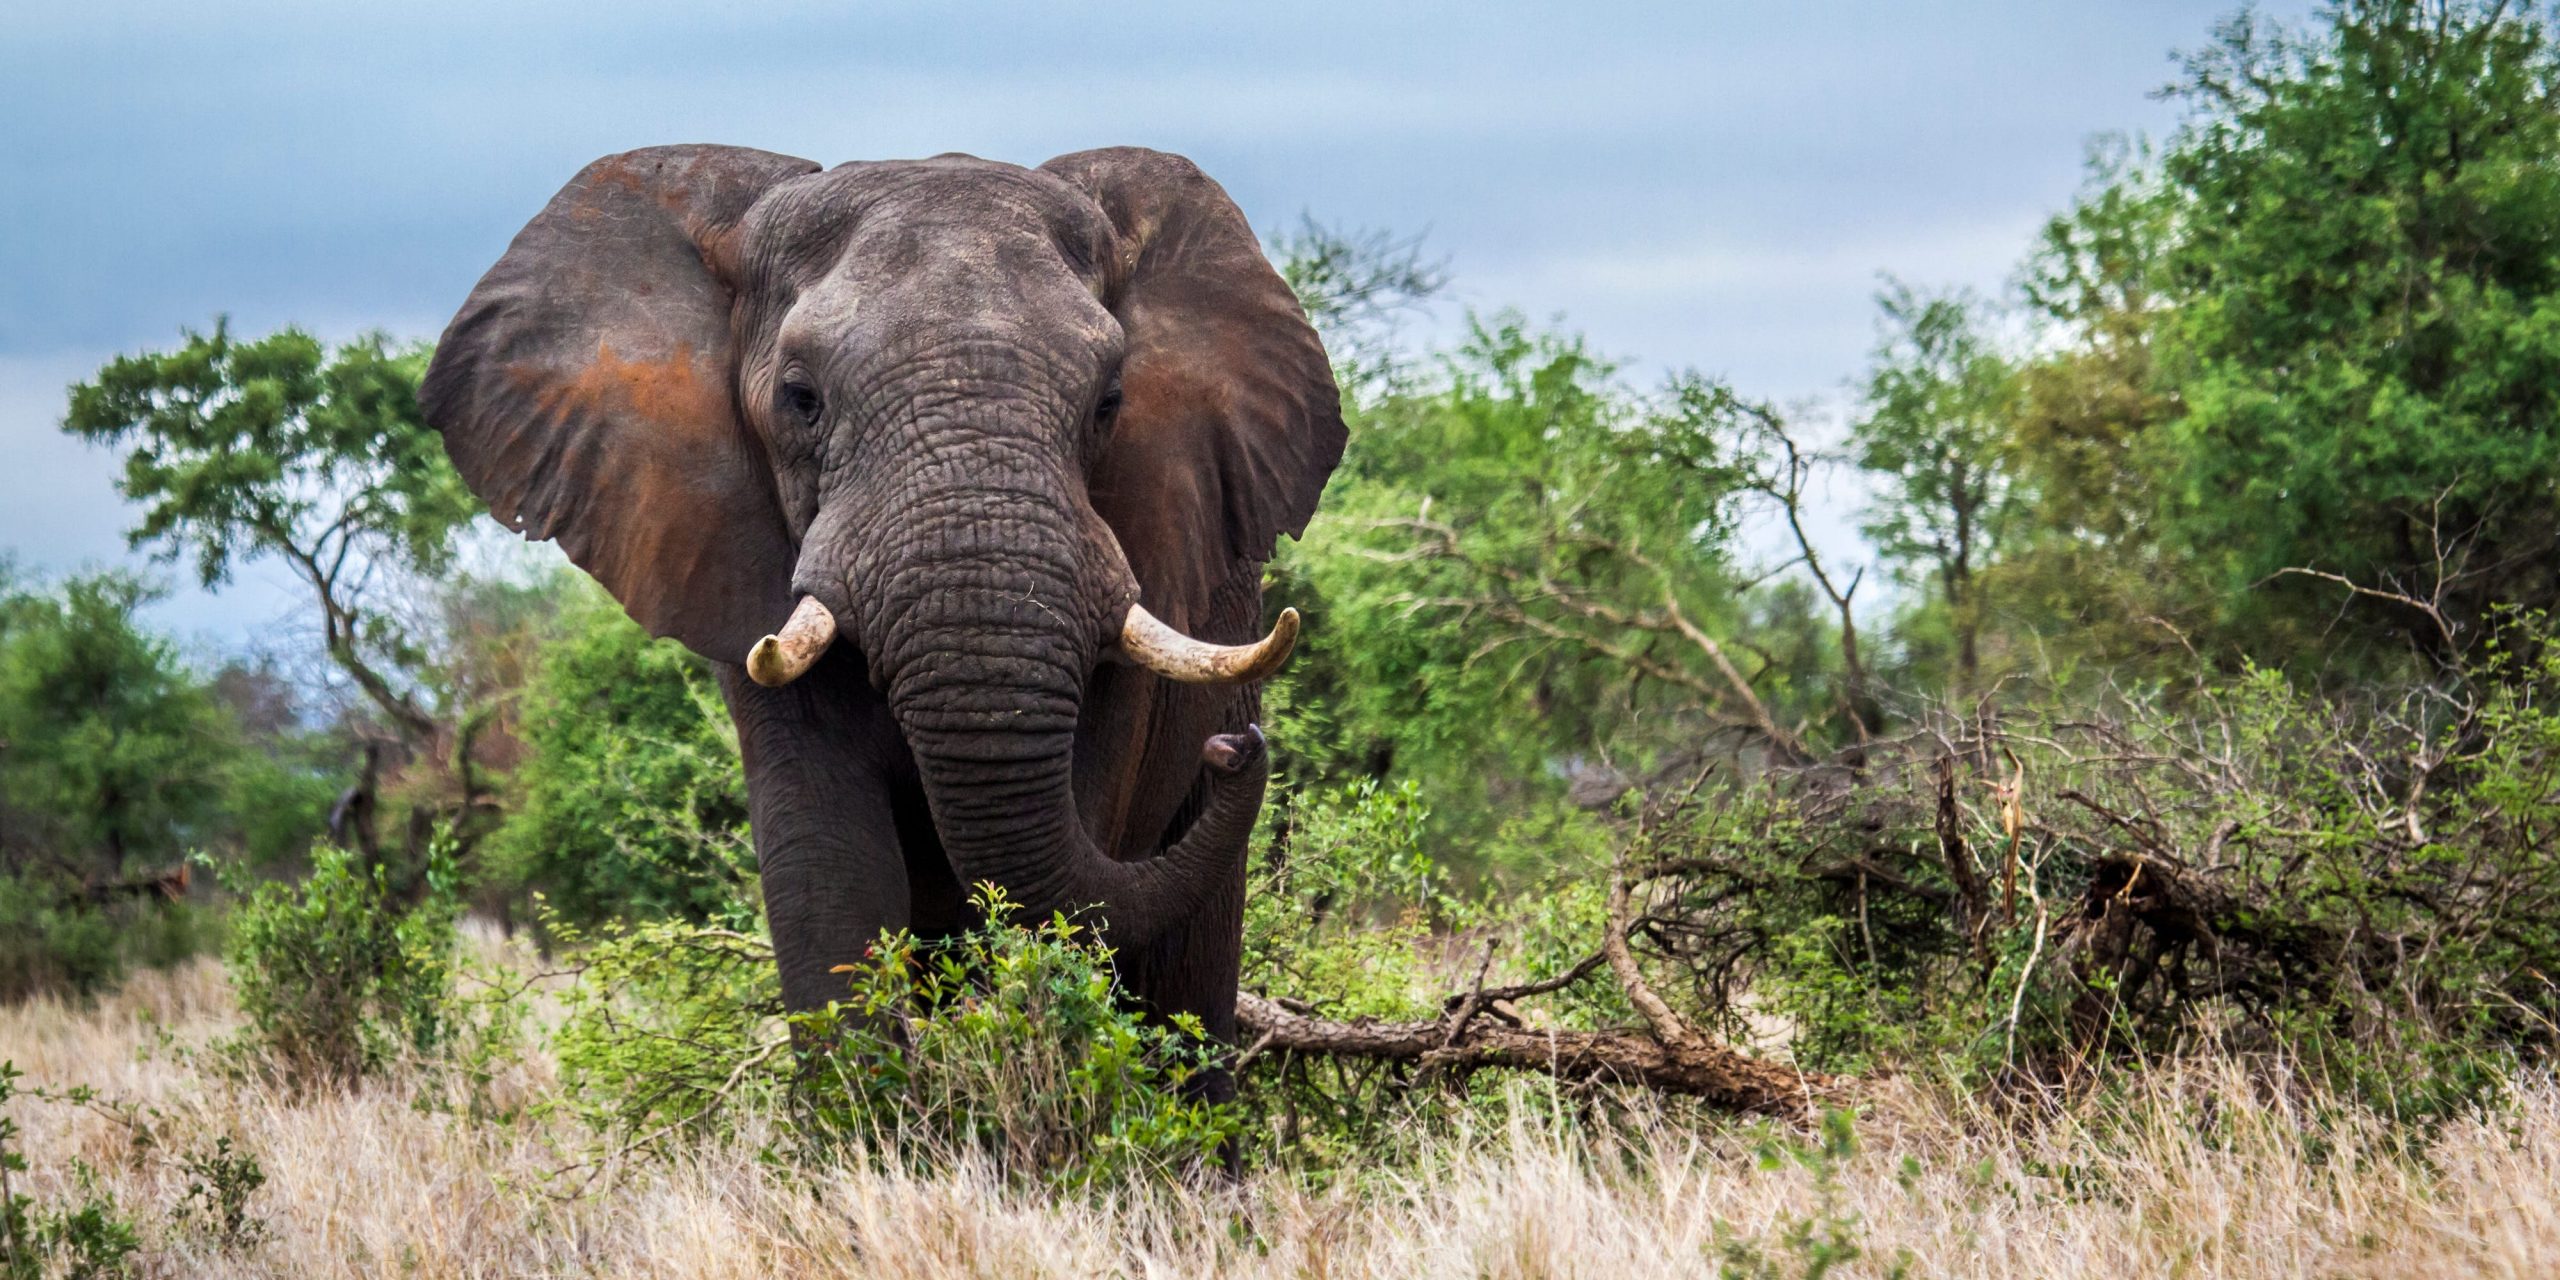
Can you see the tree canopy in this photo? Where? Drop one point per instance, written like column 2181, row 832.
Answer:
column 279, row 447
column 2355, row 304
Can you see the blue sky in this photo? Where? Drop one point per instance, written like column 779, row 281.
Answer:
column 1708, row 184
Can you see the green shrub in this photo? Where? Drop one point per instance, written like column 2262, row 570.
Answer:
column 47, row 945
column 336, row 975
column 51, row 940
column 16, row 1210
column 117, row 747
column 1807, row 1246
column 1012, row 1041
column 630, row 804
column 92, row 1240
column 670, row 1029
column 1342, row 911
column 1008, row 1041
column 220, row 1180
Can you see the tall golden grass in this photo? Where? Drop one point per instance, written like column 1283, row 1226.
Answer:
column 2207, row 1173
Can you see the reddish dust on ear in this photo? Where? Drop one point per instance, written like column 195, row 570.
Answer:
column 617, row 171
column 670, row 393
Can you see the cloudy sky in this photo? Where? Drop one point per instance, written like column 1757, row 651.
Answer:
column 1704, row 184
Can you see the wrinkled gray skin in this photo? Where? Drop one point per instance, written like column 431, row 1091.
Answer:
column 976, row 410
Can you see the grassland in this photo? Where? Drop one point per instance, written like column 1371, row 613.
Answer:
column 2207, row 1172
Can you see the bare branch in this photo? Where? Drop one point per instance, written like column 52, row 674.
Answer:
column 1714, row 1073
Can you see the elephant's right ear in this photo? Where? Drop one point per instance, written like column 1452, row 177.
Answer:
column 587, row 392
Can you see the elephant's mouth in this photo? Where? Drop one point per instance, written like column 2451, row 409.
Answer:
column 1145, row 640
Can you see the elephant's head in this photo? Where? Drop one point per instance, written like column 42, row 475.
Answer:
column 887, row 400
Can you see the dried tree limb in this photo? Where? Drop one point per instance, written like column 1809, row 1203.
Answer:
column 1852, row 870
column 1713, row 1072
column 1786, row 742
column 1669, row 1027
column 2142, row 835
column 1670, row 1055
column 1973, row 904
column 1494, row 995
column 1786, row 486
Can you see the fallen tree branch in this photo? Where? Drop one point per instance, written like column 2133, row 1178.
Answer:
column 1671, row 1055
column 1495, row 995
column 1672, row 1030
column 170, row 886
column 1710, row 1071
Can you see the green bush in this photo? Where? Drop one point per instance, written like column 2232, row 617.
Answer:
column 48, row 945
column 52, row 940
column 117, row 748
column 92, row 1240
column 16, row 1211
column 220, row 1180
column 1807, row 1246
column 1341, row 911
column 1010, row 1041
column 630, row 803
column 119, row 756
column 670, row 1029
column 337, row 976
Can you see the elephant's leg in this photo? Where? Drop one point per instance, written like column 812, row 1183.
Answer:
column 819, row 757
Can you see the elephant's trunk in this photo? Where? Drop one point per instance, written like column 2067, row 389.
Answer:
column 983, row 648
column 1014, row 822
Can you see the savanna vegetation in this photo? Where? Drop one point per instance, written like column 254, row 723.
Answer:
column 2119, row 840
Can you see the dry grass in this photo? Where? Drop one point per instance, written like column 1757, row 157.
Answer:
column 2204, row 1179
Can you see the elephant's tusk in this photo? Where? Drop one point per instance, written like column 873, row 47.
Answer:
column 1147, row 641
column 787, row 655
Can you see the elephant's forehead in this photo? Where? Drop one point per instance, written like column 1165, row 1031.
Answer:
column 926, row 208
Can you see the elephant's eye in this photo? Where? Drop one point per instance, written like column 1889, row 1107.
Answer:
column 803, row 401
column 1108, row 407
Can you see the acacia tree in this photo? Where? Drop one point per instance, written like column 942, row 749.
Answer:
column 1535, row 561
column 1936, row 415
column 2362, row 288
column 281, row 449
column 2085, row 558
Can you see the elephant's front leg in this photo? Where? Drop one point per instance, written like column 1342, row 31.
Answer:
column 819, row 756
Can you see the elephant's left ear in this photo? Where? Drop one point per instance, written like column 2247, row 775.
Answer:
column 587, row 391
column 1229, row 420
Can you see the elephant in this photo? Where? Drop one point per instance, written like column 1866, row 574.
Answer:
column 963, row 475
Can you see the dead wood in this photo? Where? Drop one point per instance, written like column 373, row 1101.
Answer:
column 1669, row 1054
column 1705, row 1070
column 2141, row 918
column 1973, row 906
